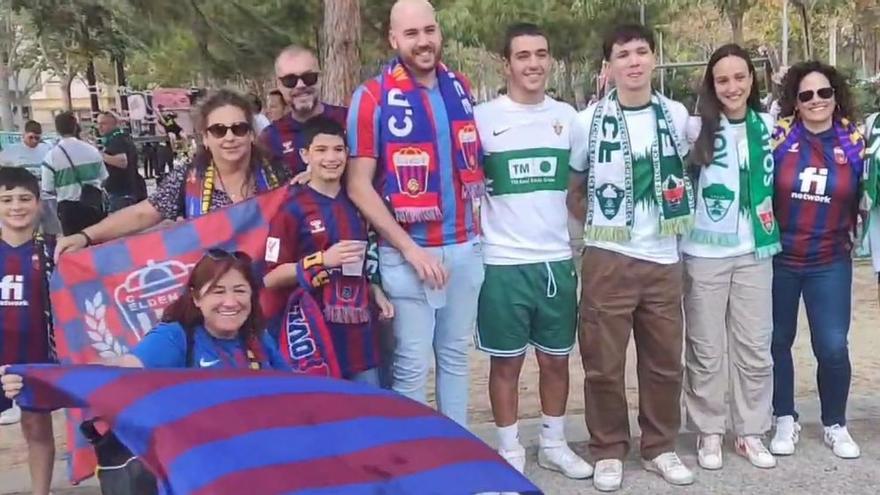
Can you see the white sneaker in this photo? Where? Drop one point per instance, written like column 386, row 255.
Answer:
column 786, row 436
column 608, row 475
column 11, row 415
column 709, row 452
column 752, row 448
column 515, row 457
column 670, row 467
column 837, row 437
column 556, row 455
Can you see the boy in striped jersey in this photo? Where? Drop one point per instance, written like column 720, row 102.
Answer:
column 24, row 332
column 314, row 240
column 529, row 296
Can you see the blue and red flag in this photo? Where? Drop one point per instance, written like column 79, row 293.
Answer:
column 105, row 298
column 230, row 432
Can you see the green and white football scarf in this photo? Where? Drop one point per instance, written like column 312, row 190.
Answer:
column 610, row 177
column 718, row 201
column 870, row 183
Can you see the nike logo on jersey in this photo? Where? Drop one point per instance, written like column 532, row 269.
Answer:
column 499, row 132
column 207, row 364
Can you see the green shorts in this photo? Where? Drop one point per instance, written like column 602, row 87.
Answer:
column 535, row 303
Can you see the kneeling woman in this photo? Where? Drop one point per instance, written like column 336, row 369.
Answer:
column 216, row 323
column 728, row 265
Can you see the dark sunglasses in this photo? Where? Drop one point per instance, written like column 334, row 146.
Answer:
column 291, row 80
column 824, row 93
column 218, row 254
column 239, row 129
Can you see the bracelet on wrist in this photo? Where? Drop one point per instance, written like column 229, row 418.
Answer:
column 87, row 237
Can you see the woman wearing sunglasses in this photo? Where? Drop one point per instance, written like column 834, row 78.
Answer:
column 728, row 265
column 228, row 168
column 819, row 161
column 216, row 323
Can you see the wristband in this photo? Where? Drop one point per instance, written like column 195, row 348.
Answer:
column 88, row 238
column 310, row 271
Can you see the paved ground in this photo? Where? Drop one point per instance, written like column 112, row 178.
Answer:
column 813, row 470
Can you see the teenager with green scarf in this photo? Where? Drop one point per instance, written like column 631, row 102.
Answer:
column 629, row 186
column 728, row 265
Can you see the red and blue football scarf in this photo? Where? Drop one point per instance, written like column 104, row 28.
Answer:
column 106, row 297
column 225, row 432
column 305, row 340
column 408, row 143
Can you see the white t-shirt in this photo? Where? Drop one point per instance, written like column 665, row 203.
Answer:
column 61, row 179
column 524, row 218
column 22, row 155
column 260, row 122
column 645, row 242
column 744, row 222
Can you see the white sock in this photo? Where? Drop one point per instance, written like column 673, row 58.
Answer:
column 508, row 437
column 553, row 427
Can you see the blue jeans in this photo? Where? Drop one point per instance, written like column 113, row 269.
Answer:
column 827, row 292
column 434, row 322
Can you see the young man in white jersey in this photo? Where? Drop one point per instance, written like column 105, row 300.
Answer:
column 629, row 185
column 529, row 295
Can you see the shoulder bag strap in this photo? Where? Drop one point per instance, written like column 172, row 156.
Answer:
column 72, row 166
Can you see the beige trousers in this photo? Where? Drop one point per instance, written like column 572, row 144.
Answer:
column 728, row 330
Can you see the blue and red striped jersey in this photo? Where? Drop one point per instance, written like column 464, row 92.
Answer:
column 228, row 432
column 458, row 224
column 816, row 200
column 310, row 222
column 284, row 137
column 23, row 333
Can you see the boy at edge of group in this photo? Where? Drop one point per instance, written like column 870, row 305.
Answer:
column 317, row 232
column 24, row 312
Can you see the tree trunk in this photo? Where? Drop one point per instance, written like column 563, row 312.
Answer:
column 66, row 82
column 92, row 80
column 341, row 50
column 6, row 122
column 808, row 44
column 736, row 25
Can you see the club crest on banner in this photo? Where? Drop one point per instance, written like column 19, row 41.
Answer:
column 147, row 291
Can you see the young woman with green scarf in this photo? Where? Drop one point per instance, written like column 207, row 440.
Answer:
column 728, row 265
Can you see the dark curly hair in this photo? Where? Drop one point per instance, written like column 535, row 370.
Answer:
column 792, row 81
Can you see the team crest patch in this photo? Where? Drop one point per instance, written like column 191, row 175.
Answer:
column 718, row 199
column 557, row 128
column 765, row 214
column 610, row 198
column 469, row 143
column 412, row 166
column 673, row 191
column 839, row 156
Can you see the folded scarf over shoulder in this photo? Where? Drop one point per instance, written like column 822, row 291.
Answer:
column 408, row 143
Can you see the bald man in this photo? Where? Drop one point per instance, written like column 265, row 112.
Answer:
column 298, row 79
column 411, row 129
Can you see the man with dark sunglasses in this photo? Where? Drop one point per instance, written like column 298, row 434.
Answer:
column 297, row 77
